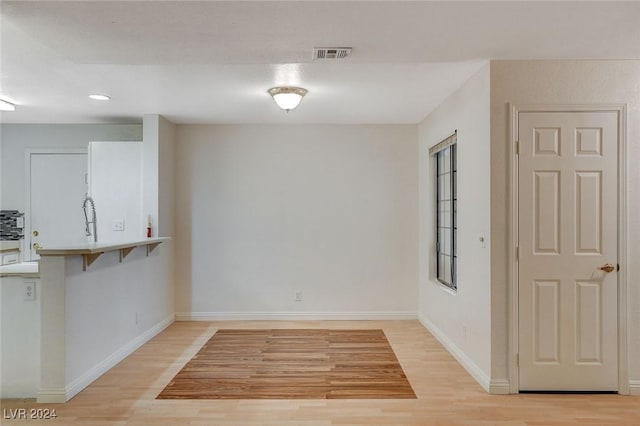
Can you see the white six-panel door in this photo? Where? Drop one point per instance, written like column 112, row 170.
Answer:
column 567, row 235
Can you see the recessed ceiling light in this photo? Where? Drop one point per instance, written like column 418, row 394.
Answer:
column 6, row 106
column 98, row 97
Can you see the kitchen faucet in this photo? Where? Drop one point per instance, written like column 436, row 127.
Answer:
column 93, row 218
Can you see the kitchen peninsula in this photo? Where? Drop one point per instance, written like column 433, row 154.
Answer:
column 90, row 296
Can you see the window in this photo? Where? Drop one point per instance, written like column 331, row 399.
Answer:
column 444, row 155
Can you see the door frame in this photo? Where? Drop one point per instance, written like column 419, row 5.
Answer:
column 512, row 235
column 26, row 241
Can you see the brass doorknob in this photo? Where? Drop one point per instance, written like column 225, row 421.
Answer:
column 36, row 246
column 607, row 268
column 35, row 233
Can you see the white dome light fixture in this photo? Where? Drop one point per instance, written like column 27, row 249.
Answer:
column 287, row 98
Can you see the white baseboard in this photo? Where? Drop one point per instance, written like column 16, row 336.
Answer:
column 634, row 387
column 18, row 391
column 491, row 386
column 296, row 316
column 51, row 396
column 499, row 387
column 108, row 363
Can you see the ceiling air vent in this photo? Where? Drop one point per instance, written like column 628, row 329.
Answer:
column 331, row 53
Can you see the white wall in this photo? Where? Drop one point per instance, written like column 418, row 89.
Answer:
column 150, row 167
column 561, row 83
column 20, row 339
column 15, row 138
column 115, row 184
column 461, row 320
column 111, row 309
column 158, row 198
column 264, row 211
column 166, row 177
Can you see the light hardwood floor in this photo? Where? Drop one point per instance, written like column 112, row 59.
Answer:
column 447, row 395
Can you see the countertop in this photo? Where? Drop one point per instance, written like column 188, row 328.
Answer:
column 23, row 269
column 6, row 245
column 93, row 248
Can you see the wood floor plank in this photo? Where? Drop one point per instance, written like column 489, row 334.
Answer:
column 292, row 364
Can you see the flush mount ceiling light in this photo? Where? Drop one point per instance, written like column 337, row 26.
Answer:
column 98, row 97
column 287, row 98
column 6, row 106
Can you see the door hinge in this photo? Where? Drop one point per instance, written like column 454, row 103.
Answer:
column 517, row 147
column 518, row 360
column 518, row 253
column 617, row 266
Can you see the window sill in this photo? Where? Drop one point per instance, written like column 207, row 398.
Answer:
column 443, row 287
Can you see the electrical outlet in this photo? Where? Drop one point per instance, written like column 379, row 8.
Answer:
column 118, row 225
column 30, row 290
column 298, row 296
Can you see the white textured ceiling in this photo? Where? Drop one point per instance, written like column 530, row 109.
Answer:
column 212, row 61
